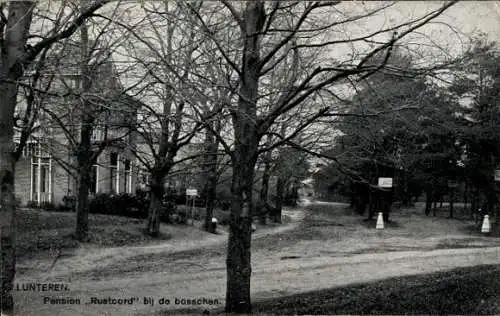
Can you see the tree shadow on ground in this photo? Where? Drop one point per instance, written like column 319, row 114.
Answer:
column 463, row 291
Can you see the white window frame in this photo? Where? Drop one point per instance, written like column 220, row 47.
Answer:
column 38, row 183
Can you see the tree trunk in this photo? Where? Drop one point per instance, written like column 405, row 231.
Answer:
column 211, row 175
column 244, row 159
column 491, row 198
column 434, row 198
column 477, row 205
column 155, row 206
column 85, row 147
column 472, row 203
column 82, row 205
column 452, row 193
column 7, row 199
column 280, row 188
column 239, row 247
column 386, row 204
column 264, row 189
column 11, row 68
column 466, row 189
column 496, row 208
column 428, row 201
column 372, row 201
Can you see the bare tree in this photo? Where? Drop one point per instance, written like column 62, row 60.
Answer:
column 166, row 57
column 210, row 170
column 16, row 56
column 86, row 154
column 265, row 33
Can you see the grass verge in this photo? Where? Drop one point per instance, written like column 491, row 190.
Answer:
column 463, row 291
column 42, row 232
column 473, row 290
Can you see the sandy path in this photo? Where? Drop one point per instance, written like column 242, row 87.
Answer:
column 272, row 276
column 87, row 258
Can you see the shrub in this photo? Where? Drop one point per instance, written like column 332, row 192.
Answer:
column 180, row 215
column 18, row 201
column 123, row 204
column 169, row 208
column 32, row 204
column 224, row 205
column 102, row 203
column 291, row 198
column 48, row 206
column 197, row 215
column 69, row 203
column 63, row 208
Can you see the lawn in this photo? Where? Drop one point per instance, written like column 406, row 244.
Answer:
column 338, row 230
column 464, row 291
column 41, row 232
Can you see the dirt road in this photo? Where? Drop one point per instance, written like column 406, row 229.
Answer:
column 176, row 275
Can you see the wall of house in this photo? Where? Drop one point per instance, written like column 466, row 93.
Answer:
column 22, row 180
column 62, row 183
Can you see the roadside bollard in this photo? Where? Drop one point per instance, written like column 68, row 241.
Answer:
column 380, row 221
column 214, row 225
column 486, row 227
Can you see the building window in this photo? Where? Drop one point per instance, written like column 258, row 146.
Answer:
column 41, row 179
column 114, row 173
column 98, row 133
column 128, row 177
column 30, row 148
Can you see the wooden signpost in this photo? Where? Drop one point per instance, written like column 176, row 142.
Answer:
column 385, row 182
column 191, row 195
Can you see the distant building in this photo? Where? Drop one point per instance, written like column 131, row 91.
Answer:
column 46, row 171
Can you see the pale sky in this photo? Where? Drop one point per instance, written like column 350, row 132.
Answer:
column 483, row 15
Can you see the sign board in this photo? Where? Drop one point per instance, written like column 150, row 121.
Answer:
column 497, row 175
column 385, row 182
column 191, row 192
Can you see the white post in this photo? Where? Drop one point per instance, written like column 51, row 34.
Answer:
column 130, row 179
column 192, row 211
column 380, row 221
column 486, row 227
column 39, row 175
column 31, row 179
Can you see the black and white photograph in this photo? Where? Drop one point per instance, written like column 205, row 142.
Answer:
column 224, row 157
